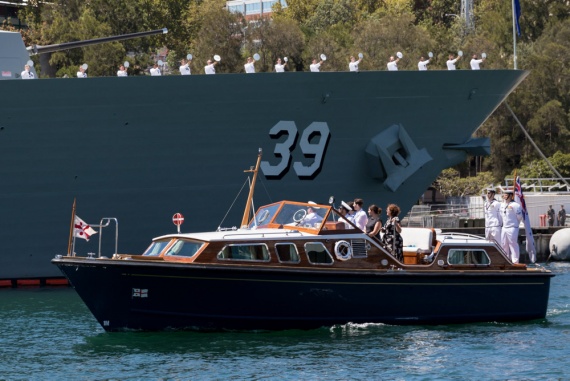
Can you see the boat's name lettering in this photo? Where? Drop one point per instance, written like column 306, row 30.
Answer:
column 307, row 144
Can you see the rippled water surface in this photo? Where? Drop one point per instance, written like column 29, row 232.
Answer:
column 49, row 334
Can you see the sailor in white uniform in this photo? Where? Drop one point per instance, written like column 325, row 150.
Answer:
column 184, row 67
column 155, row 71
column 422, row 65
column 512, row 216
column 315, row 66
column 451, row 62
column 353, row 65
column 249, row 66
column 393, row 64
column 122, row 72
column 475, row 62
column 493, row 217
column 27, row 74
column 81, row 73
column 210, row 67
column 280, row 68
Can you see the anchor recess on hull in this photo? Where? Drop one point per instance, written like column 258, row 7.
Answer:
column 393, row 157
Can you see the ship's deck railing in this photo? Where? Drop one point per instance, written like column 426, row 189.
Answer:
column 542, row 185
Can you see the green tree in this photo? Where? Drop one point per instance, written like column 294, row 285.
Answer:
column 280, row 37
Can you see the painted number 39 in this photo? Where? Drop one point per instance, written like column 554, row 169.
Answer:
column 308, row 148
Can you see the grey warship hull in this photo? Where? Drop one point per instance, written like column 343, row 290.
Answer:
column 143, row 148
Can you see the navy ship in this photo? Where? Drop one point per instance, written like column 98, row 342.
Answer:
column 140, row 149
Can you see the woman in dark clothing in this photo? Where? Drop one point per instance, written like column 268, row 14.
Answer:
column 374, row 223
column 392, row 240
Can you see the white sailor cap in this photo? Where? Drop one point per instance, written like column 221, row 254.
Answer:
column 490, row 190
column 313, row 203
column 346, row 206
column 508, row 191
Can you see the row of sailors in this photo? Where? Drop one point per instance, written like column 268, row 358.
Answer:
column 249, row 67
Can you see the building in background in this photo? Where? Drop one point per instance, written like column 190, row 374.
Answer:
column 254, row 8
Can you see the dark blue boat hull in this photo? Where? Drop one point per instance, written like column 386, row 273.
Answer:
column 170, row 296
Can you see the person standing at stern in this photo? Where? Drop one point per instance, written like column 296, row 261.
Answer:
column 493, row 218
column 512, row 216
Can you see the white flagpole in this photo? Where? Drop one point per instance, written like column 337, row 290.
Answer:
column 514, row 34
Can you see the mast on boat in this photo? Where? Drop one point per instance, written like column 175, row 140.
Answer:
column 245, row 218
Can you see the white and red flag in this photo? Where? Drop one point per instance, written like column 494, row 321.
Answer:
column 519, row 198
column 81, row 229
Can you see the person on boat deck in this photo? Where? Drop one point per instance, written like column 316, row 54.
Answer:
column 392, row 240
column 122, row 72
column 562, row 216
column 210, row 67
column 422, row 65
column 81, row 73
column 279, row 67
column 311, row 217
column 550, row 213
column 512, row 216
column 249, row 66
column 451, row 62
column 374, row 224
column 493, row 217
column 27, row 74
column 155, row 71
column 360, row 217
column 353, row 65
column 344, row 209
column 393, row 64
column 351, row 212
column 184, row 67
column 315, row 67
column 476, row 62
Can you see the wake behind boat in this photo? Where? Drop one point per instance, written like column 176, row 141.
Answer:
column 300, row 266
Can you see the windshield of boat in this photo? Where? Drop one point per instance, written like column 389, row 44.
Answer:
column 156, row 247
column 291, row 214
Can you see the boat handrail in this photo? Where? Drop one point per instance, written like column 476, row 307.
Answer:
column 458, row 235
column 262, row 234
column 105, row 222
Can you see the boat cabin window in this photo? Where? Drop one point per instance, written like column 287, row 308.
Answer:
column 156, row 247
column 245, row 252
column 468, row 257
column 264, row 215
column 184, row 248
column 287, row 252
column 318, row 254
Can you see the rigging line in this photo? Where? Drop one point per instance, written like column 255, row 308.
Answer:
column 536, row 147
column 266, row 191
column 247, row 180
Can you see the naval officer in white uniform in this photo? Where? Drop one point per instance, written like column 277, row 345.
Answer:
column 476, row 62
column 353, row 65
column 422, row 65
column 184, row 68
column 393, row 64
column 451, row 62
column 493, row 218
column 279, row 67
column 27, row 74
column 210, row 67
column 249, row 66
column 511, row 212
column 316, row 66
